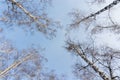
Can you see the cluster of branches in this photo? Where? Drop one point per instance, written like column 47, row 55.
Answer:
column 96, row 64
column 22, row 13
column 25, row 64
column 78, row 19
column 102, row 65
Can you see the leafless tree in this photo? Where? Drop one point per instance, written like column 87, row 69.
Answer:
column 34, row 17
column 94, row 63
column 25, row 64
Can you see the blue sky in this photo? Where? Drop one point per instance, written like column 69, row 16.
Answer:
column 58, row 58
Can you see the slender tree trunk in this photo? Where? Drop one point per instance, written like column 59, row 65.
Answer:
column 81, row 53
column 115, row 2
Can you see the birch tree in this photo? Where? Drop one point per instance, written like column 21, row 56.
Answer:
column 29, row 13
column 95, row 63
column 25, row 64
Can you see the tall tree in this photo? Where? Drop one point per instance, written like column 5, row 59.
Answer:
column 95, row 63
column 25, row 64
column 35, row 17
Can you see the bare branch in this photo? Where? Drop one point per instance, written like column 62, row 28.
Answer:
column 115, row 2
column 34, row 18
column 81, row 53
column 15, row 64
